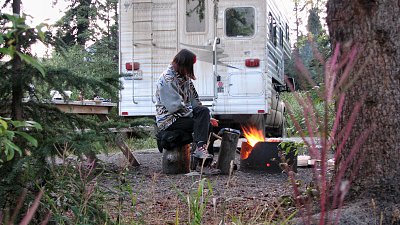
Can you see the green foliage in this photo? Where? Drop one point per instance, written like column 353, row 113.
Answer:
column 76, row 26
column 197, row 201
column 18, row 66
column 21, row 72
column 18, row 136
column 16, row 38
column 9, row 130
column 74, row 197
column 312, row 50
column 142, row 121
column 142, row 143
column 81, row 23
column 314, row 22
column 298, row 110
column 79, row 70
column 288, row 146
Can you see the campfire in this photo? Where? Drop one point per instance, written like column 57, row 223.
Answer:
column 259, row 153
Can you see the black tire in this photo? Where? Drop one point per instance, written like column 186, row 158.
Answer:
column 281, row 131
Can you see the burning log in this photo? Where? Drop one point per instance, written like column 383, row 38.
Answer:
column 227, row 150
column 176, row 160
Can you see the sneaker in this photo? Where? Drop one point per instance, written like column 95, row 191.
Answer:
column 201, row 152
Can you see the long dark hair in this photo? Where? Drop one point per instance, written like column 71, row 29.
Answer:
column 183, row 63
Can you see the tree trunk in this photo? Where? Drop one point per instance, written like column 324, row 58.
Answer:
column 16, row 7
column 176, row 160
column 373, row 26
column 83, row 22
column 227, row 151
column 17, row 90
column 17, row 86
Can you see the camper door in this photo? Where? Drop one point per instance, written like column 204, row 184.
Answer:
column 196, row 32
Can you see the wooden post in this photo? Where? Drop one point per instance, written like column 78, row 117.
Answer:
column 119, row 140
column 227, row 151
column 176, row 160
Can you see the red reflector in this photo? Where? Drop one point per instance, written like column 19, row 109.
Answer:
column 124, row 113
column 261, row 111
column 252, row 62
column 129, row 66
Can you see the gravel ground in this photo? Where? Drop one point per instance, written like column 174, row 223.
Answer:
column 156, row 198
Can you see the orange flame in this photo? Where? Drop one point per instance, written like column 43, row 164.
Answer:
column 253, row 135
column 245, row 151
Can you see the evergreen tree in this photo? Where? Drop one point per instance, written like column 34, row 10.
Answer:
column 311, row 49
column 26, row 77
column 76, row 26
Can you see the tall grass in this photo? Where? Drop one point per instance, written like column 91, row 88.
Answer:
column 197, row 200
column 73, row 195
column 315, row 122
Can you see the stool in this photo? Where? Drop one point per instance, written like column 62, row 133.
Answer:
column 176, row 160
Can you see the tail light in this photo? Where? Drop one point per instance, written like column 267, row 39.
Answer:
column 252, row 62
column 129, row 66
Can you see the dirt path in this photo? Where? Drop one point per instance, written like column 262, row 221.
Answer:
column 151, row 197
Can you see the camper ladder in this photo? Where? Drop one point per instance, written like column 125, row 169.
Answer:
column 141, row 28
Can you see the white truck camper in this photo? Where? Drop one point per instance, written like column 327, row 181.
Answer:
column 240, row 47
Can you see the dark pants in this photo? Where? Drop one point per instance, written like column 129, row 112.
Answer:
column 199, row 124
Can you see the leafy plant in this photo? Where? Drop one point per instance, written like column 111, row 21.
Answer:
column 9, row 130
column 297, row 112
column 15, row 34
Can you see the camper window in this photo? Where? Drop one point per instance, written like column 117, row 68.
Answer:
column 195, row 19
column 287, row 33
column 272, row 29
column 239, row 22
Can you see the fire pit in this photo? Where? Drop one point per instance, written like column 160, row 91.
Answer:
column 266, row 155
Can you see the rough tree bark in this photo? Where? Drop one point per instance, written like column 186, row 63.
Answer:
column 227, row 151
column 17, row 92
column 374, row 26
column 176, row 160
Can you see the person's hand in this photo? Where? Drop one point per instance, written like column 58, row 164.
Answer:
column 214, row 122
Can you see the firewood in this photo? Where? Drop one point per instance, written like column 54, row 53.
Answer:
column 227, row 151
column 176, row 160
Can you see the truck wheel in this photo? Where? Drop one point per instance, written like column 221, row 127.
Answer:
column 282, row 129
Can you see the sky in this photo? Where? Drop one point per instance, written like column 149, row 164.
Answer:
column 42, row 11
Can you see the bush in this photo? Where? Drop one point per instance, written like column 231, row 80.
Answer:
column 298, row 112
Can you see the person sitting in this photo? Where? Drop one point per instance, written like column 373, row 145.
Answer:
column 178, row 107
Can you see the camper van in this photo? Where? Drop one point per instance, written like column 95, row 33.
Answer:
column 240, row 48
